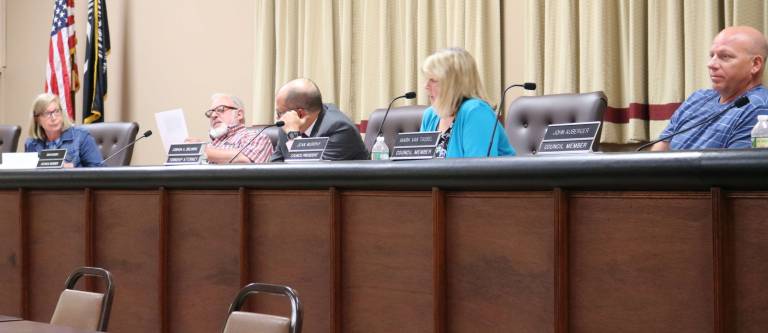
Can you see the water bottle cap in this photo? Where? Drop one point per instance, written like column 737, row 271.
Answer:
column 379, row 138
column 762, row 117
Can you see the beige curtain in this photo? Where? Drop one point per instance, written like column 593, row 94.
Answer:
column 362, row 53
column 646, row 55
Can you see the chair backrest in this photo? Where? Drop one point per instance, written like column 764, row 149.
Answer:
column 81, row 309
column 242, row 322
column 400, row 119
column 271, row 132
column 9, row 138
column 529, row 116
column 113, row 136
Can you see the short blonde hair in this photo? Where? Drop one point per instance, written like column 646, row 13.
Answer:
column 38, row 107
column 456, row 71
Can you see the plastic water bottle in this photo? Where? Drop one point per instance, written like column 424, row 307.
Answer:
column 760, row 132
column 380, row 151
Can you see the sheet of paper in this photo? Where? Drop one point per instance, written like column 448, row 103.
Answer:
column 19, row 161
column 172, row 127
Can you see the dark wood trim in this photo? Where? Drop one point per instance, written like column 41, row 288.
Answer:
column 438, row 260
column 163, row 261
column 245, row 260
column 335, row 230
column 718, row 258
column 560, row 198
column 24, row 253
column 89, row 259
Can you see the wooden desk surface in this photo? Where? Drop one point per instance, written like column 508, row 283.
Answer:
column 25, row 326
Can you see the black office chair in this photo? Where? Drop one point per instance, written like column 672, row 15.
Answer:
column 246, row 322
column 113, row 136
column 82, row 309
column 399, row 120
column 9, row 138
column 529, row 116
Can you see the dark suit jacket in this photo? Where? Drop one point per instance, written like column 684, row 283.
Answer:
column 344, row 142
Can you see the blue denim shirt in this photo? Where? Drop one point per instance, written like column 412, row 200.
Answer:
column 82, row 150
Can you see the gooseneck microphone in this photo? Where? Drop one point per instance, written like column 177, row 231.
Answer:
column 526, row 86
column 744, row 100
column 278, row 123
column 408, row 95
column 146, row 134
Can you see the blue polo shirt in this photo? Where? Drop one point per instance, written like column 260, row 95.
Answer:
column 82, row 150
column 730, row 130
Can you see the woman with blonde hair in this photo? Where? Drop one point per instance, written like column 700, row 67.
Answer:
column 51, row 129
column 459, row 109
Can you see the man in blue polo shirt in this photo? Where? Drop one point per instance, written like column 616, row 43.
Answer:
column 736, row 65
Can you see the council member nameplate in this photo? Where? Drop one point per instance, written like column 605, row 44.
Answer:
column 307, row 149
column 569, row 138
column 415, row 146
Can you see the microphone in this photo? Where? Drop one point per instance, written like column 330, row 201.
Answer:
column 744, row 100
column 526, row 86
column 146, row 134
column 408, row 95
column 278, row 123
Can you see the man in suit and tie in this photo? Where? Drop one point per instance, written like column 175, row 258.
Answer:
column 299, row 104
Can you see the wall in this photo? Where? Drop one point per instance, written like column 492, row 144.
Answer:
column 165, row 54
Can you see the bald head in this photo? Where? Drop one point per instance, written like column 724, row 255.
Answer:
column 752, row 40
column 300, row 93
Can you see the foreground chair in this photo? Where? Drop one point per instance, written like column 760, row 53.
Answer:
column 529, row 116
column 399, row 120
column 9, row 138
column 82, row 309
column 113, row 136
column 250, row 322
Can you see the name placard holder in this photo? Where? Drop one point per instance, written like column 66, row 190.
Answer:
column 307, row 150
column 51, row 158
column 569, row 138
column 415, row 146
column 185, row 154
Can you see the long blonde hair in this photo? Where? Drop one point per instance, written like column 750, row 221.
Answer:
column 38, row 107
column 456, row 71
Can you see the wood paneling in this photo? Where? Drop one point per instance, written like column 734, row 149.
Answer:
column 56, row 246
column 500, row 259
column 640, row 263
column 748, row 246
column 203, row 258
column 387, row 260
column 10, row 254
column 126, row 243
column 400, row 261
column 290, row 245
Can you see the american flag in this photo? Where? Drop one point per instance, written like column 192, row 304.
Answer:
column 61, row 71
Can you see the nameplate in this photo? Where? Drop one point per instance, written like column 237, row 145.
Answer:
column 51, row 158
column 415, row 146
column 52, row 154
column 183, row 159
column 50, row 164
column 307, row 149
column 186, row 149
column 569, row 138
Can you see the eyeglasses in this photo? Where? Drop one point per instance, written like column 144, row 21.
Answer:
column 219, row 110
column 50, row 114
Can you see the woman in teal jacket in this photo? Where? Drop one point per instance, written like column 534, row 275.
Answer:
column 459, row 109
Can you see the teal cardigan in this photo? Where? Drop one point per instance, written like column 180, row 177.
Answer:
column 471, row 131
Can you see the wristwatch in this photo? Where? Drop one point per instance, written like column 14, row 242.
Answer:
column 293, row 134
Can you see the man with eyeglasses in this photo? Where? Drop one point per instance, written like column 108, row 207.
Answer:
column 229, row 135
column 300, row 105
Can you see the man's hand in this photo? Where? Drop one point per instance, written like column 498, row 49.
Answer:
column 292, row 121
